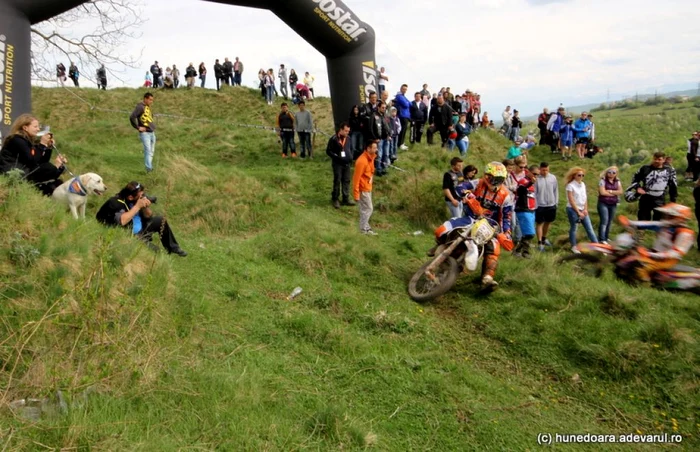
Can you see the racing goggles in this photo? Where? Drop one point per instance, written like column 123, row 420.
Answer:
column 497, row 180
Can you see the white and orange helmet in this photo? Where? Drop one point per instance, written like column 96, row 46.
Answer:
column 676, row 211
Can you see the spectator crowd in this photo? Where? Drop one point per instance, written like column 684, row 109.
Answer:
column 375, row 132
column 534, row 197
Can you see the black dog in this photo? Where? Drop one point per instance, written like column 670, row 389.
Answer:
column 592, row 150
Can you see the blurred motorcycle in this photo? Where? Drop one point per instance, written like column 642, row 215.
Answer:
column 623, row 255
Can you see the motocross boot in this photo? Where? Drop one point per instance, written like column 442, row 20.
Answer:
column 488, row 270
column 517, row 252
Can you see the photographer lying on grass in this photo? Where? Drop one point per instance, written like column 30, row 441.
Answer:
column 131, row 208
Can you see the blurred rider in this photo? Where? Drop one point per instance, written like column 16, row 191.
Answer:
column 673, row 240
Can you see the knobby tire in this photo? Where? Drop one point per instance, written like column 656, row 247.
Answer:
column 447, row 273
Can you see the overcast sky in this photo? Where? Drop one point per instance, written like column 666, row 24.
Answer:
column 526, row 53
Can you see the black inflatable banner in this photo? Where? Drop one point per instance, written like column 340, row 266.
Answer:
column 328, row 25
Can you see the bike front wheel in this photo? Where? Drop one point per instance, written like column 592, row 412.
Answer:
column 422, row 288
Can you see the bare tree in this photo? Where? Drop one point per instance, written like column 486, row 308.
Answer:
column 115, row 22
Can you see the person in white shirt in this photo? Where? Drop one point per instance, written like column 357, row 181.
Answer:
column 553, row 128
column 309, row 82
column 507, row 121
column 381, row 83
column 577, row 206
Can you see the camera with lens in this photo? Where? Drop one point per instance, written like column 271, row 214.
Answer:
column 153, row 199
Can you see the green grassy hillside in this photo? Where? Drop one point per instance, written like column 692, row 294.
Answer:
column 633, row 134
column 155, row 352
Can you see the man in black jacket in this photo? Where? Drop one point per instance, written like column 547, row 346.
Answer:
column 156, row 73
column 440, row 120
column 419, row 114
column 218, row 74
column 340, row 152
column 366, row 112
column 130, row 208
column 652, row 182
column 378, row 130
column 228, row 72
column 101, row 77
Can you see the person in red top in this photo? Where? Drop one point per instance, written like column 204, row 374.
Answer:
column 542, row 121
column 362, row 185
column 525, row 206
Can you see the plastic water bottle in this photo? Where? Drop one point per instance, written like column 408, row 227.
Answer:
column 418, row 233
column 295, row 292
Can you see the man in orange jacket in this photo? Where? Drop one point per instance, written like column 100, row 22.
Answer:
column 362, row 185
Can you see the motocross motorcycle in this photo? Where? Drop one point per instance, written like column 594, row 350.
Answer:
column 458, row 250
column 622, row 254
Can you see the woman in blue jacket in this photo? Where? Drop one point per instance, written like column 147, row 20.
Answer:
column 582, row 129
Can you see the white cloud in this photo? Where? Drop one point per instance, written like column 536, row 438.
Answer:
column 518, row 52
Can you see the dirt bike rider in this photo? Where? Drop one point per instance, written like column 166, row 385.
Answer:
column 673, row 241
column 485, row 198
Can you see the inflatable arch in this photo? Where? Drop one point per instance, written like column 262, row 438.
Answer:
column 328, row 25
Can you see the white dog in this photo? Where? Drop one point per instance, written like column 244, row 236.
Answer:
column 74, row 192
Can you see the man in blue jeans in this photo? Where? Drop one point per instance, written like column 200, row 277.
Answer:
column 304, row 126
column 142, row 120
column 286, row 124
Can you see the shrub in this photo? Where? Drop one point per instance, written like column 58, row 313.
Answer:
column 656, row 100
column 22, row 253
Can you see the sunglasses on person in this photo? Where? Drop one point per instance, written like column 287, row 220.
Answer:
column 580, row 175
column 522, row 167
column 612, row 172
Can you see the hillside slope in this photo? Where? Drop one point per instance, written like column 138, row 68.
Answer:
column 155, row 352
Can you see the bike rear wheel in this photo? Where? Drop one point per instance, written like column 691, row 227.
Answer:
column 421, row 288
column 585, row 264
